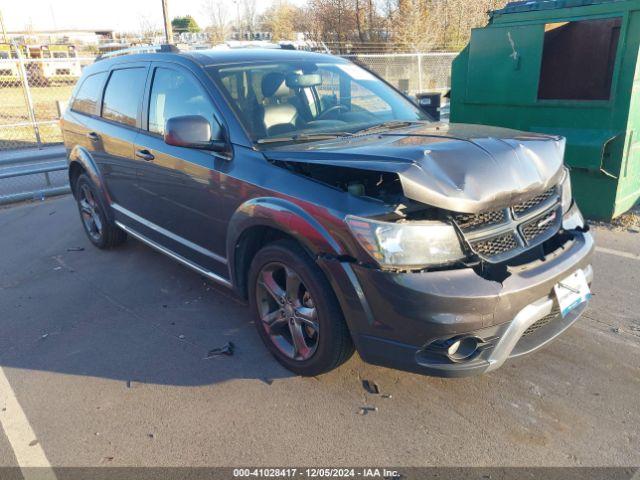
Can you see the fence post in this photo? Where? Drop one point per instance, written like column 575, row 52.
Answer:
column 27, row 94
column 420, row 72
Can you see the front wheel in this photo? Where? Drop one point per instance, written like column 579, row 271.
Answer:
column 297, row 315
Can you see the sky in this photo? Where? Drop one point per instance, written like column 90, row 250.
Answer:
column 119, row 15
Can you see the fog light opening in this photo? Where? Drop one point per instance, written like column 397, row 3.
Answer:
column 463, row 349
column 453, row 348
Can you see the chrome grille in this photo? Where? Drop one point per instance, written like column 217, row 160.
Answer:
column 546, row 320
column 522, row 208
column 473, row 221
column 495, row 246
column 540, row 226
column 497, row 235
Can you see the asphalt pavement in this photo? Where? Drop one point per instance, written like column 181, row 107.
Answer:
column 104, row 353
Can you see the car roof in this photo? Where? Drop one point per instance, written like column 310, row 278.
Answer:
column 210, row 57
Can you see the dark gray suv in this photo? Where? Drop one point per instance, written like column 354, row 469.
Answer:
column 342, row 212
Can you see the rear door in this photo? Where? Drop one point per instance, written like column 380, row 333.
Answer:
column 182, row 187
column 81, row 121
column 114, row 136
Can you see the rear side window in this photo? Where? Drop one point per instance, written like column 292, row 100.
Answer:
column 578, row 59
column 174, row 94
column 123, row 94
column 87, row 97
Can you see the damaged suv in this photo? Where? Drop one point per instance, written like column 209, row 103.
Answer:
column 343, row 214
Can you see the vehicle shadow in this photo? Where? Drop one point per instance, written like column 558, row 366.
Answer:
column 128, row 314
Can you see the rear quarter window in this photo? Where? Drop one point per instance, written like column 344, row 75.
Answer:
column 86, row 100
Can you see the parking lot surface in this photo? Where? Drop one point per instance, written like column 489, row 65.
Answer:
column 105, row 353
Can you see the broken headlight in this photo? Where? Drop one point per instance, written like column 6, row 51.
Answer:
column 408, row 244
column 565, row 191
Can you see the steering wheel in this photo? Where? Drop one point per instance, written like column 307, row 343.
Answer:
column 335, row 108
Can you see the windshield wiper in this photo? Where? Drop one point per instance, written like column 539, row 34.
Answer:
column 387, row 126
column 304, row 137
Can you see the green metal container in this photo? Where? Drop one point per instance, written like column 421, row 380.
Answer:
column 567, row 67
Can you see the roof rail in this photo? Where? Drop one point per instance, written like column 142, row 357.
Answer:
column 165, row 48
column 240, row 44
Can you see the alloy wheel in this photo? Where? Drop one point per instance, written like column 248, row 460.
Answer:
column 287, row 311
column 89, row 212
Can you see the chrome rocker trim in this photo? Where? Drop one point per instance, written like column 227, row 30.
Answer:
column 210, row 275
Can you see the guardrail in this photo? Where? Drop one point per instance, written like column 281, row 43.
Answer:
column 33, row 175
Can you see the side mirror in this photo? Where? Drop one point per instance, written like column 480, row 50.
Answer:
column 193, row 131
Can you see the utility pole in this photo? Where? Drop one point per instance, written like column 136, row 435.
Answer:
column 4, row 32
column 237, row 2
column 168, row 32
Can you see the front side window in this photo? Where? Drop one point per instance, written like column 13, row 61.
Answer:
column 292, row 98
column 86, row 99
column 123, row 94
column 174, row 94
column 578, row 59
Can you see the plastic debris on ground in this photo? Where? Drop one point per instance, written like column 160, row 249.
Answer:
column 227, row 349
column 366, row 409
column 370, row 387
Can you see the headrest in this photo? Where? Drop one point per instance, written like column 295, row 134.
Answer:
column 273, row 84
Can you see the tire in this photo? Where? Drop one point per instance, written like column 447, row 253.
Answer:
column 329, row 344
column 102, row 232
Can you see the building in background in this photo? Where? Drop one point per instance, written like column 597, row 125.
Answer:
column 44, row 37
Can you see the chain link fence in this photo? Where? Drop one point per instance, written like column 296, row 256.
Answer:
column 32, row 92
column 411, row 72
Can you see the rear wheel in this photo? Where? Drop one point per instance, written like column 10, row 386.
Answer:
column 101, row 231
column 297, row 314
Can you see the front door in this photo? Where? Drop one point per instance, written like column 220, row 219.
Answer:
column 181, row 186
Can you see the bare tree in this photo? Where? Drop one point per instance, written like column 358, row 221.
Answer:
column 249, row 16
column 217, row 12
column 149, row 30
column 283, row 20
column 383, row 25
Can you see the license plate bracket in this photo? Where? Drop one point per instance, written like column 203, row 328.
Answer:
column 572, row 291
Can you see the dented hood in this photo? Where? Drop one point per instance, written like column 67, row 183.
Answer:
column 458, row 167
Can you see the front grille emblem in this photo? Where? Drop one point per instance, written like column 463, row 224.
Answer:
column 548, row 220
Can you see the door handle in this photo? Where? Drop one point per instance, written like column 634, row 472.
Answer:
column 145, row 155
column 93, row 136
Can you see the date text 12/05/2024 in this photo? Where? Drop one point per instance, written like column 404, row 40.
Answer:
column 316, row 472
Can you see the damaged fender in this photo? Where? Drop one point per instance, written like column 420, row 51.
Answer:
column 285, row 216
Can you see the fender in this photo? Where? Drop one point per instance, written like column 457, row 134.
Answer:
column 82, row 156
column 286, row 216
column 291, row 218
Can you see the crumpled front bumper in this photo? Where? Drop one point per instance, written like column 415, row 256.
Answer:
column 394, row 317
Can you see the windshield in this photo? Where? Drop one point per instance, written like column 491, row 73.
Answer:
column 298, row 100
